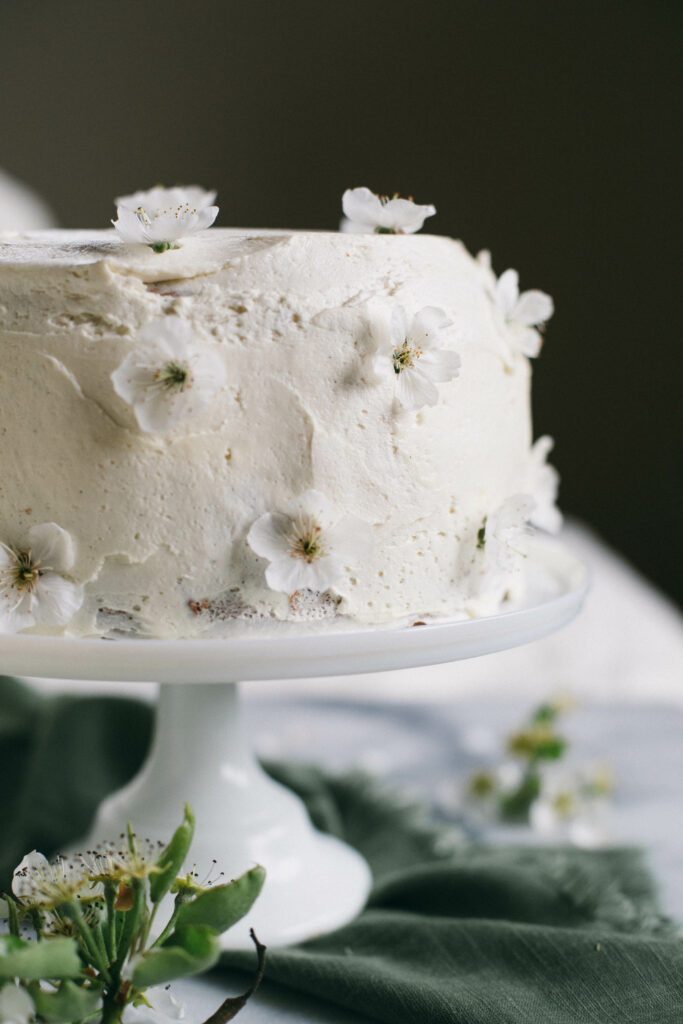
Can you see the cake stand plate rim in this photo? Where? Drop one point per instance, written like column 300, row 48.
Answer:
column 291, row 656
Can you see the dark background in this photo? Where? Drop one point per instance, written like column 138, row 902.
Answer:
column 541, row 130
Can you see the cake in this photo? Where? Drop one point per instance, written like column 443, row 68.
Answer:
column 262, row 430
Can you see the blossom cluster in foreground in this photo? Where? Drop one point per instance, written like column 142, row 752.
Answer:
column 102, row 954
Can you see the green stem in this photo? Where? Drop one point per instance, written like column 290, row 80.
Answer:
column 75, row 915
column 110, row 899
column 133, row 923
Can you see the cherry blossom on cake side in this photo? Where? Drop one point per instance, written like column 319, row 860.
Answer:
column 169, row 377
column 33, row 589
column 415, row 358
column 523, row 314
column 366, row 212
column 162, row 216
column 308, row 545
column 543, row 483
column 503, row 533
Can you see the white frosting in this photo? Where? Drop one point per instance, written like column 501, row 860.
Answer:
column 159, row 521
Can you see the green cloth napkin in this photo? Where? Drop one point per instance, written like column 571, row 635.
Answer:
column 454, row 933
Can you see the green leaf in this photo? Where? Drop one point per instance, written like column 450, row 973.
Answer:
column 188, row 951
column 223, row 905
column 52, row 958
column 173, row 858
column 70, row 1002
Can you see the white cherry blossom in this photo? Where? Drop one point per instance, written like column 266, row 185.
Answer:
column 169, row 376
column 38, row 882
column 503, row 533
column 32, row 588
column 159, row 197
column 308, row 545
column 543, row 483
column 523, row 314
column 160, row 216
column 574, row 807
column 165, row 1009
column 366, row 212
column 16, row 1005
column 415, row 358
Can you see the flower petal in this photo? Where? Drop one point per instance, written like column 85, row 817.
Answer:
column 415, row 389
column 398, row 331
column 361, row 206
column 33, row 863
column 158, row 198
column 51, row 546
column 290, row 574
column 313, row 505
column 56, row 600
column 507, row 292
column 269, row 536
column 532, row 308
column 404, row 216
column 383, row 365
column 15, row 618
column 527, row 340
column 427, row 325
column 440, row 364
column 129, row 226
column 167, row 337
column 16, row 1005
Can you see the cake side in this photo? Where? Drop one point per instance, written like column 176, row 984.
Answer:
column 293, row 322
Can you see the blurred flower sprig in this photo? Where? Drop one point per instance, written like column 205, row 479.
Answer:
column 82, row 945
column 529, row 788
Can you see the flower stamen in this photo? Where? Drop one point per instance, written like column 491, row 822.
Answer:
column 305, row 540
column 172, row 377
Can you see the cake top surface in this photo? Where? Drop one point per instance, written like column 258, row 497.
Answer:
column 211, row 250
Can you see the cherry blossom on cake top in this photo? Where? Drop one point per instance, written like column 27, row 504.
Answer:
column 524, row 314
column 308, row 545
column 168, row 377
column 415, row 358
column 33, row 590
column 161, row 216
column 366, row 212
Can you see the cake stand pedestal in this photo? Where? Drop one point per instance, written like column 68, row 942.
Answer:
column 200, row 754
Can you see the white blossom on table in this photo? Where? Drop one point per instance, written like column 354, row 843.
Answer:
column 415, row 357
column 504, row 532
column 366, row 212
column 309, row 545
column 523, row 314
column 33, row 589
column 159, row 217
column 165, row 1008
column 169, row 376
column 543, row 483
column 16, row 1005
column 574, row 807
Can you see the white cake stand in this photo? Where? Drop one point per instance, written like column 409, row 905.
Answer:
column 315, row 883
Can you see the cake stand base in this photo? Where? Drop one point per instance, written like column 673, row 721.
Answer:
column 200, row 756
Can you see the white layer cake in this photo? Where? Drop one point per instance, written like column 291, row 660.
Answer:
column 157, row 520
